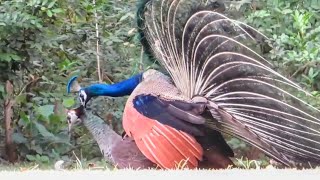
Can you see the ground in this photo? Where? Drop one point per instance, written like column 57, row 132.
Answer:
column 146, row 174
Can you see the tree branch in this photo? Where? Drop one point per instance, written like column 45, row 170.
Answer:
column 97, row 36
column 10, row 147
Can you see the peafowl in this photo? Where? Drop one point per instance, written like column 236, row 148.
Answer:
column 123, row 152
column 216, row 82
column 110, row 143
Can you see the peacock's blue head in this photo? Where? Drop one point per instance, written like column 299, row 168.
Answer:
column 83, row 97
column 86, row 93
column 122, row 88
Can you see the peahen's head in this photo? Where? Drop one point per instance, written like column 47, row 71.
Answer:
column 74, row 117
column 122, row 88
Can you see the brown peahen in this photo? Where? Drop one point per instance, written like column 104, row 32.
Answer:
column 216, row 81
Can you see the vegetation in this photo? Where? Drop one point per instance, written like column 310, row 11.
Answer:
column 45, row 42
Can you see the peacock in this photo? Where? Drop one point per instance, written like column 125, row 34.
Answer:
column 215, row 83
column 110, row 143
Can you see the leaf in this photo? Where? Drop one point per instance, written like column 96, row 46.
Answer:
column 24, row 119
column 51, row 4
column 55, row 118
column 286, row 11
column 22, row 98
column 38, row 149
column 5, row 57
column 68, row 102
column 38, row 25
column 46, row 110
column 49, row 13
column 44, row 159
column 19, row 138
column 311, row 72
column 15, row 57
column 58, row 10
column 30, row 157
column 43, row 131
column 44, row 2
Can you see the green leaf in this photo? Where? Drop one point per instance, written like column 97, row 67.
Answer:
column 46, row 110
column 286, row 11
column 38, row 149
column 30, row 157
column 44, row 2
column 5, row 57
column 54, row 118
column 311, row 72
column 58, row 10
column 44, row 159
column 15, row 57
column 22, row 98
column 43, row 131
column 38, row 25
column 19, row 138
column 68, row 102
column 51, row 4
column 49, row 13
column 24, row 119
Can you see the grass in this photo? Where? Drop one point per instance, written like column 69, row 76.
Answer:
column 162, row 174
column 82, row 169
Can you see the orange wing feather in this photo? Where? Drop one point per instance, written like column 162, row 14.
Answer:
column 160, row 143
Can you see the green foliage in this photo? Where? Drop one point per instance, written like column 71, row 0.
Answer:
column 44, row 42
column 37, row 158
column 294, row 30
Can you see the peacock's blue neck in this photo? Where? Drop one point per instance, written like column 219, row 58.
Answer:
column 122, row 88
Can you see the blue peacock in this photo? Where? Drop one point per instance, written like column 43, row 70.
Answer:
column 215, row 82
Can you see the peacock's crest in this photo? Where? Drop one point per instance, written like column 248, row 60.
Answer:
column 73, row 85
